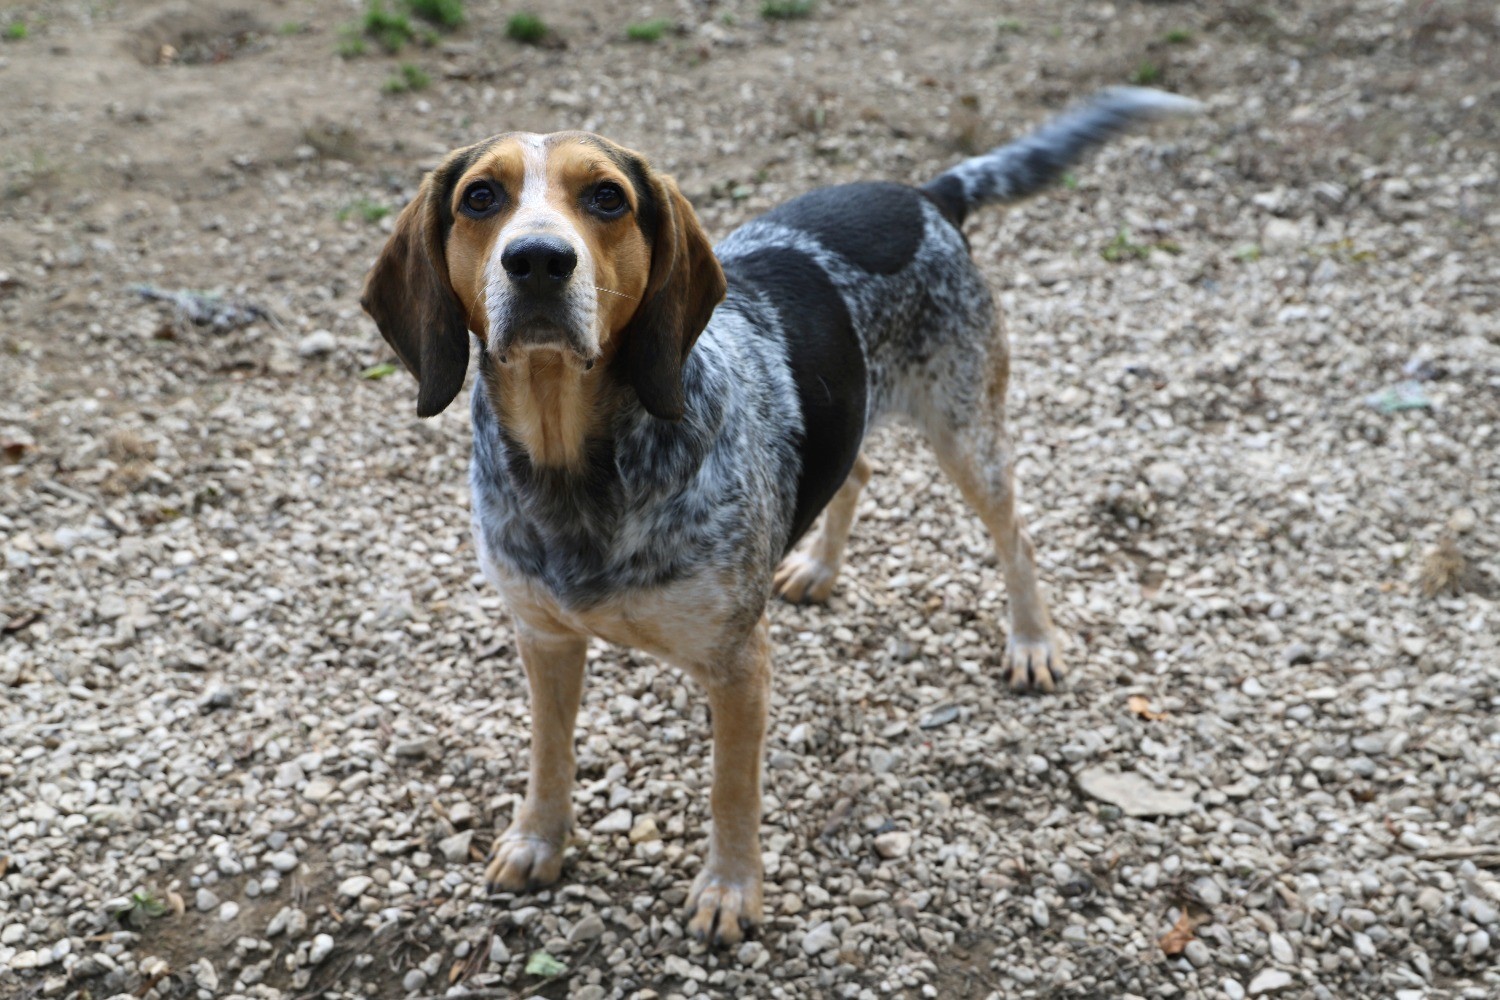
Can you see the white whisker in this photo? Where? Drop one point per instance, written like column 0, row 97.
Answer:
column 613, row 292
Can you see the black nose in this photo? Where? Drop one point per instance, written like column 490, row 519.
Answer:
column 540, row 263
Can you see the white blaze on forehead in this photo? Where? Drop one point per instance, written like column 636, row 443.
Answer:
column 533, row 195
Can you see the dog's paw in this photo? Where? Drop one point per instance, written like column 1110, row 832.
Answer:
column 723, row 910
column 523, row 862
column 803, row 579
column 1033, row 664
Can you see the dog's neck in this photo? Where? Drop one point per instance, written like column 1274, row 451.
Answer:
column 547, row 405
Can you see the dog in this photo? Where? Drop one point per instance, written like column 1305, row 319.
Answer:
column 657, row 422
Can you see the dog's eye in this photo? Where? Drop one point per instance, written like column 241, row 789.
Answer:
column 480, row 198
column 607, row 199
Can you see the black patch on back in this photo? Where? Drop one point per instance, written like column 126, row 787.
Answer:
column 827, row 365
column 875, row 225
column 947, row 193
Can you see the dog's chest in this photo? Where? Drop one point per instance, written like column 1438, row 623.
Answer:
column 685, row 621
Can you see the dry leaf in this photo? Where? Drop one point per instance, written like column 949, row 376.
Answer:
column 176, row 902
column 1179, row 936
column 1141, row 705
column 1444, row 570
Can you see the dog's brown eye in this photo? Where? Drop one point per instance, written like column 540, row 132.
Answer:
column 608, row 199
column 480, row 198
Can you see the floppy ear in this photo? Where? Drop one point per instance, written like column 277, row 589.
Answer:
column 409, row 295
column 682, row 289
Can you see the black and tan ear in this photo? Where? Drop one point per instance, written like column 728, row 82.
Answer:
column 684, row 285
column 410, row 297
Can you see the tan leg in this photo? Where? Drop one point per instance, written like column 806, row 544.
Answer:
column 807, row 574
column 529, row 854
column 977, row 458
column 726, row 897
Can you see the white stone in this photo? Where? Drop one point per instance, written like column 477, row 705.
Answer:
column 619, row 821
column 316, row 344
column 1269, row 981
column 322, row 947
column 355, row 885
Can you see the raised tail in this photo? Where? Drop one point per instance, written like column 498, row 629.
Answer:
column 1022, row 168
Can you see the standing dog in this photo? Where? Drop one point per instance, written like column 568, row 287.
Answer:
column 657, row 422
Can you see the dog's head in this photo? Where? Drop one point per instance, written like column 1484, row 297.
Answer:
column 564, row 243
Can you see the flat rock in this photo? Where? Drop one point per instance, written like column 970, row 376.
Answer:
column 1133, row 794
column 1270, row 981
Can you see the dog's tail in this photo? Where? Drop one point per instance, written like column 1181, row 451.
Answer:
column 1034, row 161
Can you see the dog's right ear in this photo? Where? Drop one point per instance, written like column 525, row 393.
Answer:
column 410, row 297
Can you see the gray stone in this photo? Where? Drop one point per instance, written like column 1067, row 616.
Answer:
column 820, row 939
column 1132, row 793
column 587, row 929
column 456, row 848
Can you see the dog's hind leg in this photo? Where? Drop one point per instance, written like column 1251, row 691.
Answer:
column 808, row 573
column 974, row 450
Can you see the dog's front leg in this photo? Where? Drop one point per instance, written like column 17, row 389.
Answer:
column 529, row 854
column 726, row 897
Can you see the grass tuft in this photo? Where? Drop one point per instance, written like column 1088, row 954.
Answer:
column 15, row 31
column 1121, row 248
column 526, row 28
column 410, row 77
column 351, row 44
column 1010, row 26
column 390, row 29
column 785, row 10
column 1146, row 74
column 649, row 31
column 445, row 13
column 144, row 905
column 1179, row 36
column 371, row 211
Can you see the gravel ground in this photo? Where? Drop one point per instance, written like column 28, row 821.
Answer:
column 259, row 716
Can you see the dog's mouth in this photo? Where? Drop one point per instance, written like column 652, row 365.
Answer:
column 545, row 339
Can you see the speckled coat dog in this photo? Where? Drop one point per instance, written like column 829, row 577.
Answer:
column 657, row 422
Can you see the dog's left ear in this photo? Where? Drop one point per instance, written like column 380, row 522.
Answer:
column 684, row 286
column 410, row 297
